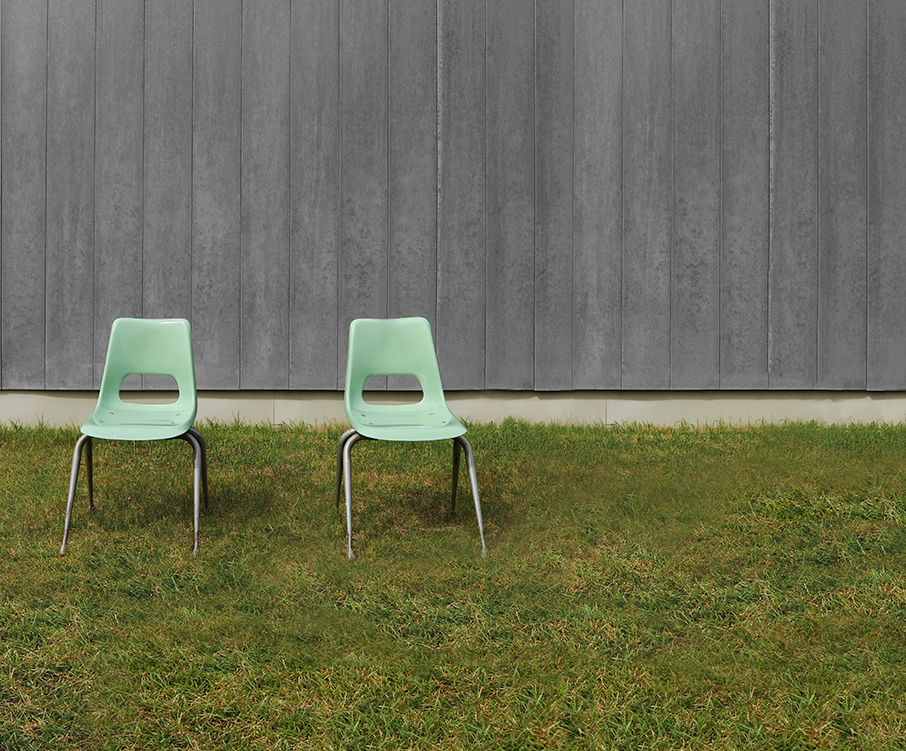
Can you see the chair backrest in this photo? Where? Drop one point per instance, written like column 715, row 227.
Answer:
column 146, row 346
column 394, row 346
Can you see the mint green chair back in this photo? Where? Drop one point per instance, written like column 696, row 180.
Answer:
column 144, row 347
column 401, row 346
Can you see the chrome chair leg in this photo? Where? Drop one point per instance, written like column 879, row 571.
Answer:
column 347, row 478
column 342, row 442
column 200, row 479
column 204, row 464
column 473, row 481
column 89, row 472
column 198, row 462
column 344, row 475
column 84, row 440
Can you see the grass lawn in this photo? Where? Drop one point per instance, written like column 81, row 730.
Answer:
column 721, row 588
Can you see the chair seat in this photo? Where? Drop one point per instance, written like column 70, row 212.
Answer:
column 401, row 424
column 136, row 422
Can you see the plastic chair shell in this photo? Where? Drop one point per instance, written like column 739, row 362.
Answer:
column 401, row 346
column 144, row 347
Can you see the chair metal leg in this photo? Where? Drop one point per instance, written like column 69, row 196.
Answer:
column 473, row 481
column 84, row 440
column 89, row 472
column 347, row 477
column 198, row 453
column 200, row 479
column 457, row 449
column 204, row 464
column 342, row 442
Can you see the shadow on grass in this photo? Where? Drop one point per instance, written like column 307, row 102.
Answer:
column 403, row 488
column 148, row 488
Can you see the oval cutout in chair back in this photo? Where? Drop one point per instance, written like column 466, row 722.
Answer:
column 151, row 388
column 392, row 389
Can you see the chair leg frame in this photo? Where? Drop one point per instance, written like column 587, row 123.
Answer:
column 350, row 440
column 473, row 481
column 202, row 446
column 199, row 469
column 84, row 440
column 342, row 442
column 344, row 476
column 199, row 479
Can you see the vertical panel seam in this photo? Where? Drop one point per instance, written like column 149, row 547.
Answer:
column 572, row 213
column 535, row 177
column 94, row 201
column 438, row 155
column 484, row 375
column 622, row 182
column 94, row 212
column 535, row 191
column 141, row 269
column 340, row 375
column 46, row 175
column 1, row 207
column 720, row 192
column 771, row 90
column 241, row 180
column 289, row 206
column 288, row 217
column 671, row 240
column 867, row 268
column 191, row 306
column 387, row 187
column 817, row 379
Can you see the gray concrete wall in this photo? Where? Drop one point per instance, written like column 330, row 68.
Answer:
column 578, row 194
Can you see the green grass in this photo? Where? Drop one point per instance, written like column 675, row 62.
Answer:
column 721, row 588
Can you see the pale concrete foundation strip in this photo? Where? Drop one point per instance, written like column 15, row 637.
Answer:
column 59, row 408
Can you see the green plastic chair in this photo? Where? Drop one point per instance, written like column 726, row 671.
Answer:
column 142, row 347
column 400, row 346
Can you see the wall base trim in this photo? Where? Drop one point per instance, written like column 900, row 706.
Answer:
column 663, row 408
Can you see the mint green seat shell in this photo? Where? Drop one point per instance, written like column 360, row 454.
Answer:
column 144, row 347
column 399, row 346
